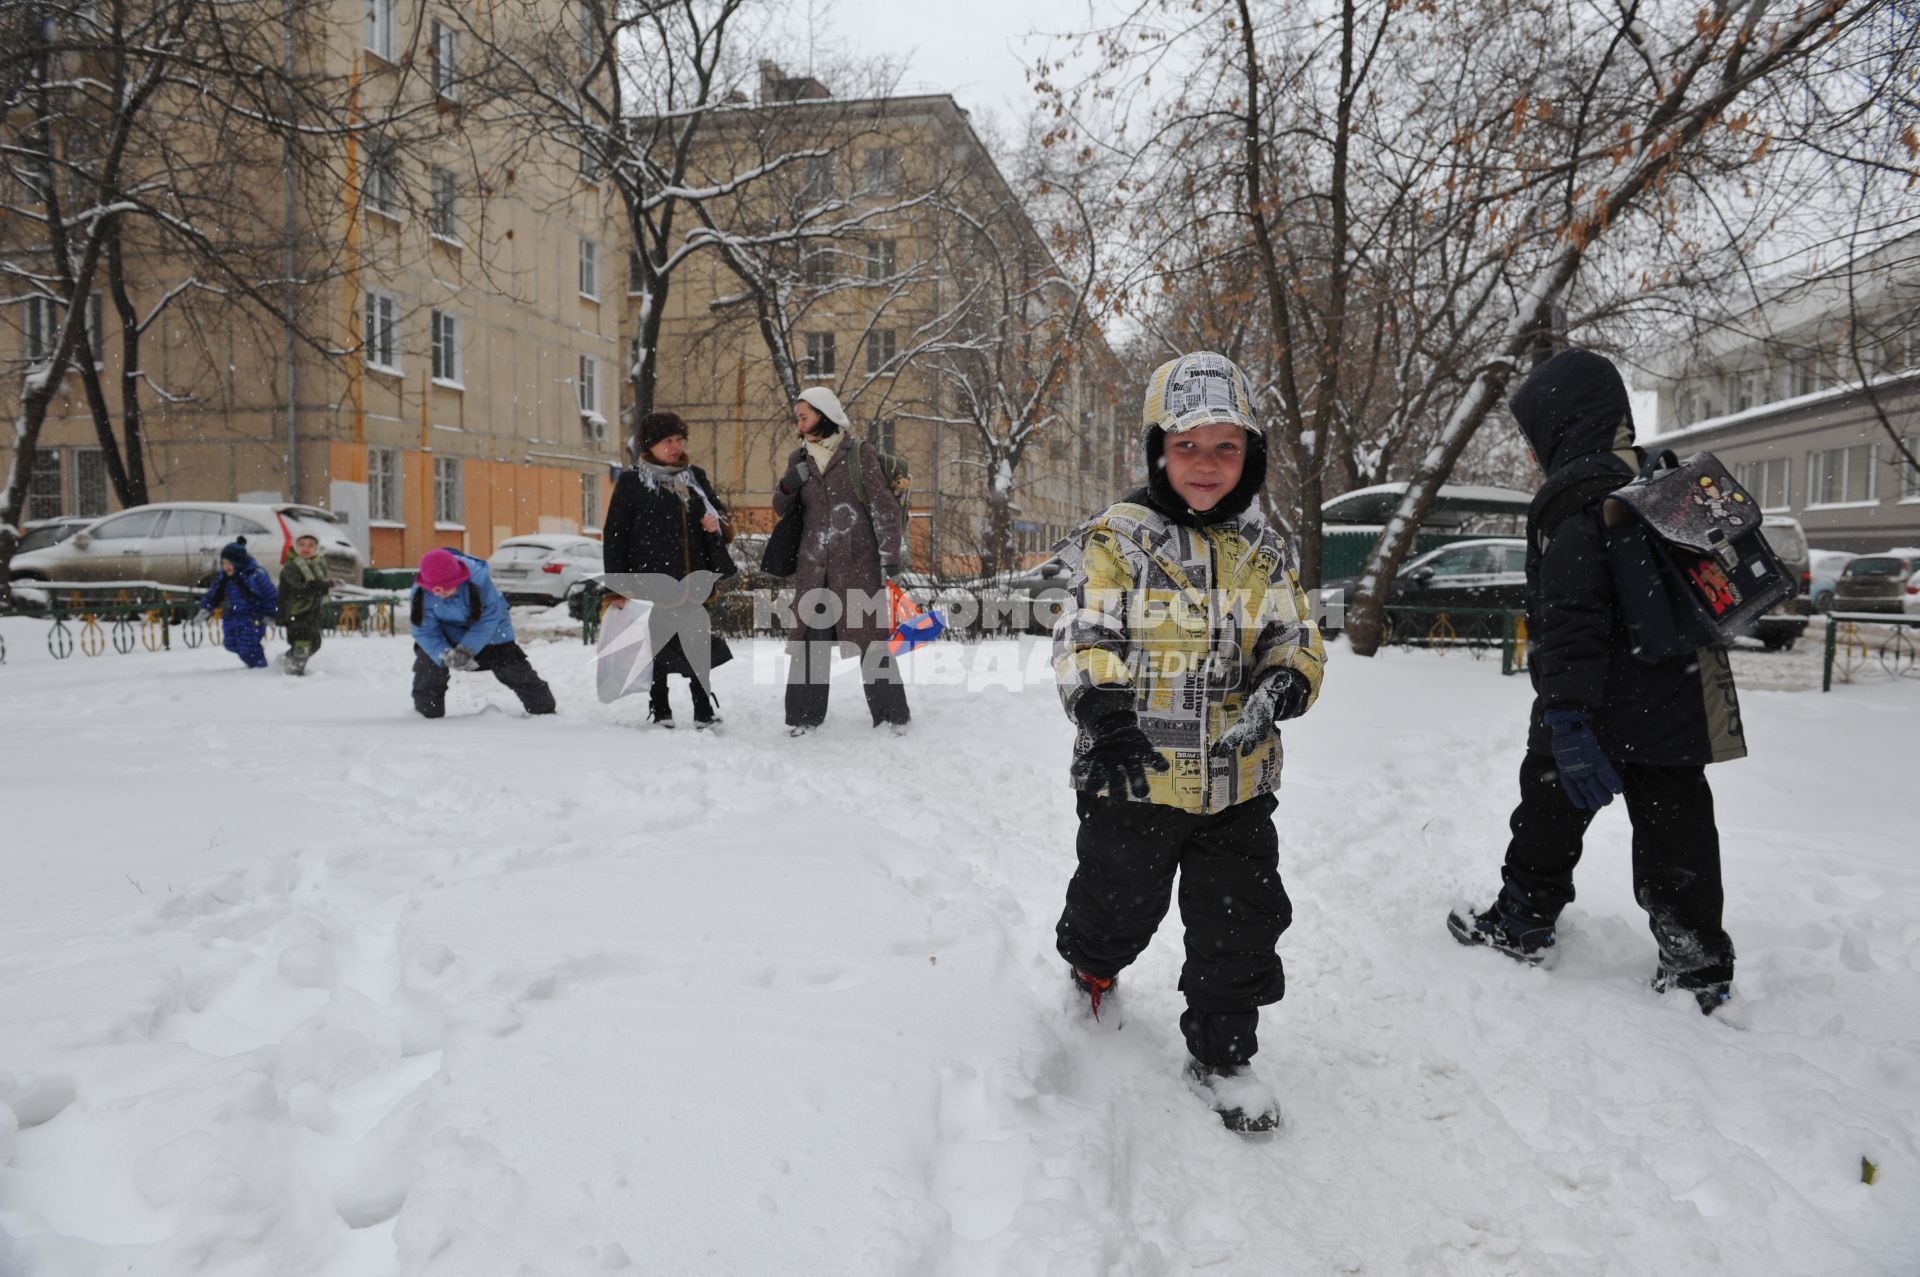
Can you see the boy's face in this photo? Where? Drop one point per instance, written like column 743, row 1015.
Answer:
column 226, row 566
column 306, row 547
column 1205, row 463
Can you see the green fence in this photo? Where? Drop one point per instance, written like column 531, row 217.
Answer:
column 90, row 617
column 1478, row 630
column 1850, row 653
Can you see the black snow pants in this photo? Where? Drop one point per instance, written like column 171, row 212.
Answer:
column 505, row 661
column 1231, row 902
column 809, row 678
column 1676, row 860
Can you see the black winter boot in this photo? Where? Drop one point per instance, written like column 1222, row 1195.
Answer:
column 1710, row 994
column 1246, row 1105
column 1094, row 987
column 1505, row 929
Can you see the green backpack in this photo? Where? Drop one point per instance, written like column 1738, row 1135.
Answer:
column 899, row 474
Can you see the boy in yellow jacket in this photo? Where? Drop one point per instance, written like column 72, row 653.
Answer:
column 1188, row 642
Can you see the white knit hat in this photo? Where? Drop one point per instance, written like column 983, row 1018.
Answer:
column 1197, row 389
column 827, row 404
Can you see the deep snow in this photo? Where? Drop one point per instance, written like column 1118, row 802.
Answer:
column 294, row 982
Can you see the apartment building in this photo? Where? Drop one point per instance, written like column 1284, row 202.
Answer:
column 891, row 315
column 450, row 376
column 1798, row 399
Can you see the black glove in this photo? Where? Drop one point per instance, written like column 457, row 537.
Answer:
column 1587, row 777
column 889, row 569
column 1279, row 697
column 459, row 658
column 1120, row 756
column 796, row 476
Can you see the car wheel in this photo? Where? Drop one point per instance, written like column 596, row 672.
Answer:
column 1823, row 601
column 1778, row 643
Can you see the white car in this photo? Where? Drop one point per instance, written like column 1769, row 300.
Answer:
column 178, row 543
column 543, row 568
column 1911, row 604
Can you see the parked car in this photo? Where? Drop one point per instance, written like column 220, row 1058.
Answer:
column 1912, row 602
column 1486, row 573
column 1781, row 627
column 543, row 568
column 1877, row 582
column 41, row 533
column 178, row 543
column 1823, row 575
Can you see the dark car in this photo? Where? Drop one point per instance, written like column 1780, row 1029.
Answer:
column 1876, row 582
column 1487, row 573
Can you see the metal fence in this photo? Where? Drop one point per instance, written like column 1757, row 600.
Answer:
column 1854, row 648
column 92, row 616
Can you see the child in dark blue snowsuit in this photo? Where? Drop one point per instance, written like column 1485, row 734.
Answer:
column 245, row 595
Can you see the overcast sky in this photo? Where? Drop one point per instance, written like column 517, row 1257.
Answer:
column 977, row 50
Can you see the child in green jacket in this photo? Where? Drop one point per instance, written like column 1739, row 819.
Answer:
column 303, row 590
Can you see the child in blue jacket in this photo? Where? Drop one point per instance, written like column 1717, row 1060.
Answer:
column 245, row 595
column 461, row 622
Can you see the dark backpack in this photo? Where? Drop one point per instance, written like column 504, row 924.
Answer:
column 1690, row 566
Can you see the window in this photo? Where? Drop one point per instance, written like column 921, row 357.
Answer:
column 880, row 259
column 1468, row 561
column 588, row 386
column 634, row 285
column 883, row 171
column 881, row 348
column 1910, row 473
column 880, row 434
column 817, row 184
column 381, row 339
column 40, row 329
column 89, row 483
column 129, row 527
column 379, row 35
column 1800, row 375
column 587, row 143
column 1913, row 340
column 1767, row 481
column 1841, row 476
column 1743, row 388
column 43, row 488
column 446, row 348
column 1686, row 408
column 589, row 32
column 819, row 362
column 443, row 218
column 446, row 61
column 447, row 506
column 589, row 269
column 589, row 499
column 816, row 265
column 383, row 485
column 381, row 189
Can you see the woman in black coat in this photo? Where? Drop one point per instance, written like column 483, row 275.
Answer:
column 664, row 523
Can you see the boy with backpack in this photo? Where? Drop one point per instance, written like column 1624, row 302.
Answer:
column 1187, row 643
column 244, row 595
column 461, row 622
column 1604, row 720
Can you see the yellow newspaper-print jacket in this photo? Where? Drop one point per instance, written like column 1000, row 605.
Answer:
column 1188, row 619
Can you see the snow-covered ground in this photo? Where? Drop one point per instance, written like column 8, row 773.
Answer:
column 293, row 982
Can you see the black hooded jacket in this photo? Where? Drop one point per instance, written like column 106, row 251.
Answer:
column 1574, row 412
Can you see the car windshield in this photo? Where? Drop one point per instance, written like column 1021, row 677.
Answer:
column 41, row 538
column 1877, row 567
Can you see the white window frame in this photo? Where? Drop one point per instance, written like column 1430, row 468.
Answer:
column 589, row 501
column 883, row 434
column 446, row 61
column 380, row 330
column 380, row 188
column 1818, row 469
column 378, row 32
column 385, row 503
column 882, row 171
column 79, row 504
column 822, row 361
column 587, row 387
column 589, row 269
column 446, row 365
column 1910, row 475
column 882, row 259
column 39, row 330
column 46, row 485
column 1757, row 477
column 449, row 496
column 443, row 207
column 883, row 346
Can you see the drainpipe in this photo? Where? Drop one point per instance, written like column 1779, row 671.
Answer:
column 292, row 406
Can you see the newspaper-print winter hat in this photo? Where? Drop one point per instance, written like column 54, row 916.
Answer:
column 827, row 404
column 1198, row 389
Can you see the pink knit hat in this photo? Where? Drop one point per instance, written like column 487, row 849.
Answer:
column 440, row 569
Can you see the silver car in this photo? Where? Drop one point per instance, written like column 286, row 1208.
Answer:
column 543, row 567
column 178, row 543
